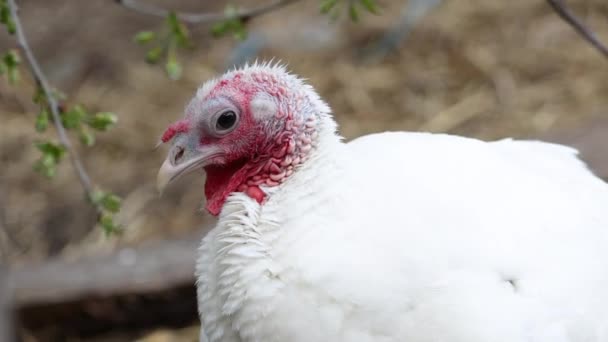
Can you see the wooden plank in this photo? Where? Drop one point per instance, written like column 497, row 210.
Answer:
column 129, row 291
column 127, row 315
column 150, row 268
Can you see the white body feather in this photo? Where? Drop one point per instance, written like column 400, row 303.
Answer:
column 414, row 237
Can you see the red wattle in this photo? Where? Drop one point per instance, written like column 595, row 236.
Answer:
column 256, row 193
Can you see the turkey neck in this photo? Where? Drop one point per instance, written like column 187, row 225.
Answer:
column 236, row 270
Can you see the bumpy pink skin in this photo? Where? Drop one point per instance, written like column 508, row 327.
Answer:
column 181, row 126
column 260, row 151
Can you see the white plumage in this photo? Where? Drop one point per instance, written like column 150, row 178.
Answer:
column 412, row 237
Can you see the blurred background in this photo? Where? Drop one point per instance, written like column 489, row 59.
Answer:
column 481, row 68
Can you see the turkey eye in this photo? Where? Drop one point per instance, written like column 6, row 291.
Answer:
column 226, row 121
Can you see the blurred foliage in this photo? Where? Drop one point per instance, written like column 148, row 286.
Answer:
column 9, row 65
column 174, row 33
column 233, row 24
column 172, row 36
column 109, row 204
column 334, row 8
column 52, row 153
column 76, row 118
column 5, row 17
column 162, row 46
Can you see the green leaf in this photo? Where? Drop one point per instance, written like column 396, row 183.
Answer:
column 10, row 62
column 102, row 121
column 56, row 151
column 42, row 120
column 3, row 67
column 5, row 17
column 96, row 197
column 353, row 12
column 73, row 117
column 86, row 137
column 172, row 20
column 370, row 6
column 12, row 59
column 153, row 55
column 46, row 166
column 182, row 38
column 13, row 75
column 327, row 5
column 111, row 202
column 235, row 26
column 232, row 24
column 10, row 26
column 38, row 97
column 219, row 29
column 5, row 14
column 178, row 31
column 106, row 200
column 144, row 37
column 51, row 155
column 174, row 69
column 107, row 223
column 239, row 32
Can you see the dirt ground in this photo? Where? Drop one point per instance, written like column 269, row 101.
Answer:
column 481, row 68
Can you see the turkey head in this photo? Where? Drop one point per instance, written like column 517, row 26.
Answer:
column 248, row 130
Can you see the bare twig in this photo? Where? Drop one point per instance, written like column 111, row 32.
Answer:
column 43, row 83
column 570, row 18
column 203, row 18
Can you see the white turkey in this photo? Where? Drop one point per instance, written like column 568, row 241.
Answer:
column 399, row 236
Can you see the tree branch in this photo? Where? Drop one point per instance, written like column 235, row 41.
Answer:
column 43, row 83
column 561, row 9
column 203, row 18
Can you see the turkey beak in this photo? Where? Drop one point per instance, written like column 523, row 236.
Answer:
column 166, row 174
column 175, row 165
